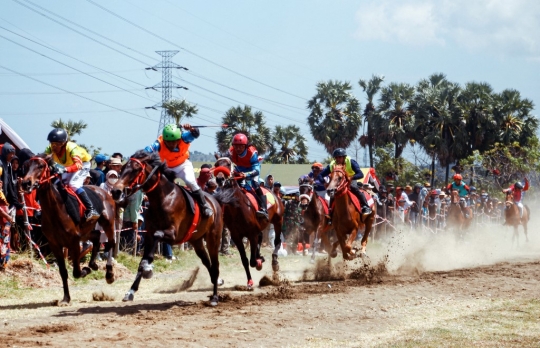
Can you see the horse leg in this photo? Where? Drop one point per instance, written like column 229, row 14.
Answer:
column 277, row 246
column 333, row 253
column 213, row 269
column 146, row 262
column 253, row 259
column 75, row 253
column 525, row 230
column 94, row 238
column 130, row 295
column 109, row 274
column 59, row 255
column 245, row 262
column 259, row 257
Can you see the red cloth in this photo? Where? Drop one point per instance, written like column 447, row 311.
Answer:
column 30, row 199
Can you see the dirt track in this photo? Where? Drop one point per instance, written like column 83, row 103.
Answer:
column 409, row 300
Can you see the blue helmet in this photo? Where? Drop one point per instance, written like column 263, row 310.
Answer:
column 339, row 152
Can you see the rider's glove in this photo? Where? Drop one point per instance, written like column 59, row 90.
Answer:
column 59, row 169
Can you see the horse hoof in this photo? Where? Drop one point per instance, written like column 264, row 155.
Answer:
column 94, row 266
column 250, row 284
column 333, row 254
column 128, row 297
column 275, row 263
column 109, row 277
column 259, row 265
column 312, row 261
column 85, row 271
column 214, row 301
column 62, row 303
column 220, row 282
column 147, row 273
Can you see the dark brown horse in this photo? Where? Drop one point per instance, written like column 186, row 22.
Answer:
column 60, row 229
column 512, row 217
column 346, row 219
column 313, row 214
column 456, row 219
column 239, row 216
column 169, row 218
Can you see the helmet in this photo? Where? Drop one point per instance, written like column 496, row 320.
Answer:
column 518, row 185
column 171, row 132
column 57, row 135
column 240, row 139
column 339, row 152
column 472, row 188
column 434, row 192
column 458, row 177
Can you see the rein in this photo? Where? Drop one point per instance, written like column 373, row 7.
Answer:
column 46, row 174
column 342, row 187
column 138, row 183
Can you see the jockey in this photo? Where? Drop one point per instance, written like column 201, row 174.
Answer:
column 246, row 159
column 73, row 163
column 459, row 186
column 173, row 147
column 518, row 190
column 317, row 179
column 353, row 171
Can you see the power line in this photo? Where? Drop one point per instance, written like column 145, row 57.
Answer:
column 48, row 93
column 190, row 52
column 62, row 112
column 78, row 95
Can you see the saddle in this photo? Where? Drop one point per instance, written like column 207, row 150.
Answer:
column 194, row 209
column 270, row 198
column 325, row 204
column 74, row 206
column 356, row 202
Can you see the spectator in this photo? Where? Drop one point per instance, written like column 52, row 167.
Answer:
column 87, row 179
column 211, row 186
column 269, row 182
column 5, row 229
column 7, row 175
column 276, row 188
column 100, row 160
column 112, row 178
column 115, row 164
column 131, row 221
column 317, row 179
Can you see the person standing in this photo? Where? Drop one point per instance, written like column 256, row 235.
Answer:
column 7, row 175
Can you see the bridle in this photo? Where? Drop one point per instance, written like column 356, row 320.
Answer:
column 342, row 187
column 46, row 174
column 139, row 180
column 308, row 195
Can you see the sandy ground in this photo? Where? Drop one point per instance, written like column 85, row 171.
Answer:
column 416, row 281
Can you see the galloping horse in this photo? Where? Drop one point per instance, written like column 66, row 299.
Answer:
column 169, row 217
column 239, row 216
column 60, row 229
column 346, row 218
column 314, row 216
column 512, row 217
column 433, row 220
column 456, row 216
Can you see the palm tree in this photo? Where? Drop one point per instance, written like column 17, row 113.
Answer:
column 244, row 120
column 335, row 117
column 178, row 109
column 72, row 128
column 371, row 87
column 514, row 118
column 289, row 146
column 394, row 121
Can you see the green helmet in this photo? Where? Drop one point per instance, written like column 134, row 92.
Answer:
column 171, row 132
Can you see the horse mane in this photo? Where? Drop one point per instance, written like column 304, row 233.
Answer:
column 227, row 193
column 154, row 160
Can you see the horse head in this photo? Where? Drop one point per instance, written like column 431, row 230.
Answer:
column 509, row 199
column 221, row 175
column 454, row 197
column 136, row 173
column 338, row 181
column 229, row 186
column 305, row 189
column 39, row 170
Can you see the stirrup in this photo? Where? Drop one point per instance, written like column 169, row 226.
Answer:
column 207, row 211
column 262, row 213
column 91, row 214
column 366, row 210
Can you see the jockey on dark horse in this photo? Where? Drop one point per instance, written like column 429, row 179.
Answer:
column 173, row 147
column 246, row 159
column 518, row 190
column 353, row 171
column 73, row 163
column 462, row 189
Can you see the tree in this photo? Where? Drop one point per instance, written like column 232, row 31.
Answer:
column 395, row 122
column 288, row 145
column 371, row 87
column 334, row 118
column 72, row 128
column 244, row 120
column 513, row 114
column 179, row 109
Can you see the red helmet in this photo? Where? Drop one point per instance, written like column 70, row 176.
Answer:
column 239, row 139
column 434, row 193
column 458, row 177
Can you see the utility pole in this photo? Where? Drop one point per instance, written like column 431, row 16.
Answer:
column 166, row 85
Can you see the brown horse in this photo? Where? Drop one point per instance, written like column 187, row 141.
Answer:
column 169, row 218
column 60, row 229
column 313, row 214
column 239, row 216
column 512, row 217
column 346, row 219
column 456, row 218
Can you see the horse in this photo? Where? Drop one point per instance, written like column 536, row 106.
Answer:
column 346, row 218
column 456, row 218
column 512, row 217
column 169, row 217
column 433, row 220
column 61, row 230
column 239, row 216
column 315, row 219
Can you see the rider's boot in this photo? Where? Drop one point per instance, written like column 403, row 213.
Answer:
column 205, row 208
column 90, row 212
column 262, row 212
column 366, row 210
column 330, row 209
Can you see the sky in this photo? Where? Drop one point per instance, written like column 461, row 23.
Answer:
column 86, row 59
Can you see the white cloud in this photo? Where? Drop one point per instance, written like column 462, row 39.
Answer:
column 508, row 27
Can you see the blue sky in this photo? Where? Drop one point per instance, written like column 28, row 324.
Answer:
column 269, row 55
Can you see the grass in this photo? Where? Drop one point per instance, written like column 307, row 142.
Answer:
column 513, row 323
